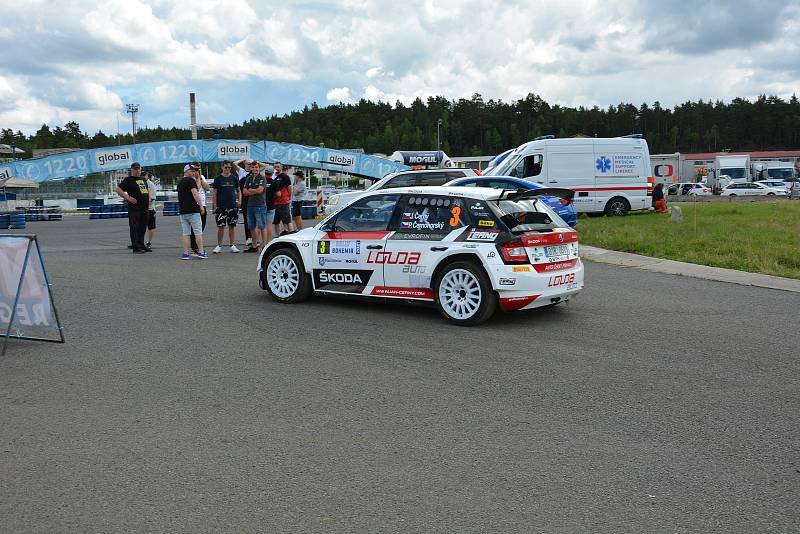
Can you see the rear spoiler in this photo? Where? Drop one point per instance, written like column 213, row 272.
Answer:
column 561, row 192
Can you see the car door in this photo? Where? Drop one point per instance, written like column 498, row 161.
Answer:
column 342, row 247
column 424, row 231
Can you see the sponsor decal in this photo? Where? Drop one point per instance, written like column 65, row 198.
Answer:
column 618, row 164
column 484, row 222
column 394, row 258
column 482, row 235
column 233, row 150
column 552, row 238
column 344, row 160
column 508, row 281
column 112, row 158
column 470, row 246
column 521, row 269
column 555, row 266
column 344, row 247
column 491, row 254
column 477, row 206
column 405, row 292
column 305, row 244
column 413, row 269
column 323, row 260
column 561, row 279
column 350, row 280
column 456, row 215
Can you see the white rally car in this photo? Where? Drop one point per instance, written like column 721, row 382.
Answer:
column 468, row 250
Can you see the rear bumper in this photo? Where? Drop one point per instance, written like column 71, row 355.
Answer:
column 528, row 290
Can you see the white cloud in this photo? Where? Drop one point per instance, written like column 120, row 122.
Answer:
column 84, row 59
column 339, row 94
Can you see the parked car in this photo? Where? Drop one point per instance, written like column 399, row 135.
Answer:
column 776, row 184
column 689, row 188
column 751, row 189
column 465, row 250
column 399, row 179
column 563, row 207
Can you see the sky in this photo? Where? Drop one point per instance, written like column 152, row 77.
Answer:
column 83, row 61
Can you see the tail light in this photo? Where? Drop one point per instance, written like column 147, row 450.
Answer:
column 513, row 252
column 650, row 186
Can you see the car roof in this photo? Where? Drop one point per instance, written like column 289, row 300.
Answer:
column 429, row 171
column 484, row 193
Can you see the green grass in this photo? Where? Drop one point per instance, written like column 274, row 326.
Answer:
column 758, row 237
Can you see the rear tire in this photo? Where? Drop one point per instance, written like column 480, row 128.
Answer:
column 284, row 277
column 617, row 207
column 464, row 294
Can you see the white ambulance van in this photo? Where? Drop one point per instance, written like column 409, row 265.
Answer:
column 608, row 175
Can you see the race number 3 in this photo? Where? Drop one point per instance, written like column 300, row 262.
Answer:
column 456, row 212
column 323, row 247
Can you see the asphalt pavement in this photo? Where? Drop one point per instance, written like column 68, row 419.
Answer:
column 185, row 400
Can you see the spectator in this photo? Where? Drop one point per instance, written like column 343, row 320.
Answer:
column 151, row 218
column 254, row 190
column 269, row 197
column 298, row 192
column 658, row 199
column 282, row 186
column 189, row 205
column 241, row 173
column 202, row 187
column 225, row 202
column 133, row 190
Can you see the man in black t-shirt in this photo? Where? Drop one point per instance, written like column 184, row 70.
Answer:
column 225, row 202
column 134, row 192
column 189, row 204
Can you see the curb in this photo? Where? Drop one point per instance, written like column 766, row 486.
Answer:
column 658, row 265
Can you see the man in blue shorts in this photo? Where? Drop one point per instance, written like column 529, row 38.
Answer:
column 254, row 189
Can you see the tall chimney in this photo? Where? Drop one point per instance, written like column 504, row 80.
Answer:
column 193, row 111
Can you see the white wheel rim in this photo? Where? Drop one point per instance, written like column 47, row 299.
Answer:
column 283, row 277
column 460, row 294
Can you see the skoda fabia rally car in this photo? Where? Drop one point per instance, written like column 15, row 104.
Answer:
column 467, row 250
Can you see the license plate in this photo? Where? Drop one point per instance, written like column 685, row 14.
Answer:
column 556, row 250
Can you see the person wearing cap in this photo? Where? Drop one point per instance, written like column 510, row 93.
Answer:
column 242, row 172
column 202, row 188
column 189, row 207
column 298, row 192
column 133, row 190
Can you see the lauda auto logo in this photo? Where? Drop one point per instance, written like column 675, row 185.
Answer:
column 561, row 279
column 394, row 258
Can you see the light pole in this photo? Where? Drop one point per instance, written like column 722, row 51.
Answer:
column 439, row 142
column 133, row 109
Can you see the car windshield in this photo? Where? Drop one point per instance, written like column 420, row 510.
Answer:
column 733, row 173
column 503, row 168
column 527, row 215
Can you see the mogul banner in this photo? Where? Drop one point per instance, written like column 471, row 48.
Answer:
column 27, row 310
column 78, row 162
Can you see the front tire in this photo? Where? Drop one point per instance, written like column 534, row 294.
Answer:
column 464, row 295
column 617, row 207
column 285, row 278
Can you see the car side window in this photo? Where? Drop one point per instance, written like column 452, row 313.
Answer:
column 427, row 178
column 471, row 183
column 426, row 213
column 370, row 214
column 402, row 180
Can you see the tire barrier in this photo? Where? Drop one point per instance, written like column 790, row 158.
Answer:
column 46, row 213
column 13, row 219
column 108, row 211
column 171, row 209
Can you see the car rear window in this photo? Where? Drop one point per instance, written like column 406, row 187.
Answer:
column 528, row 215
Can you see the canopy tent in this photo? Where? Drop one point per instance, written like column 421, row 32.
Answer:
column 9, row 149
column 17, row 183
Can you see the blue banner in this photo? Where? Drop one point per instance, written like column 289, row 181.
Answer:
column 70, row 164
